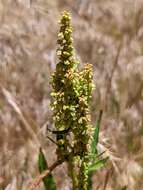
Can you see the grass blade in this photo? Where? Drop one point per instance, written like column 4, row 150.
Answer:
column 96, row 135
column 94, row 151
column 97, row 165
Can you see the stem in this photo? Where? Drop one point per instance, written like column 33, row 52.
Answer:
column 72, row 173
column 83, row 176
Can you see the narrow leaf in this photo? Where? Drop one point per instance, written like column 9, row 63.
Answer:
column 48, row 181
column 96, row 135
column 97, row 165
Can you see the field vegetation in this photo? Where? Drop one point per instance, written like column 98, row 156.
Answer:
column 107, row 34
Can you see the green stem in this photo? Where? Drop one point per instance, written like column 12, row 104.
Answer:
column 72, row 173
column 83, row 175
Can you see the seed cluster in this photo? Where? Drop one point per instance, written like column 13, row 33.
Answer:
column 71, row 95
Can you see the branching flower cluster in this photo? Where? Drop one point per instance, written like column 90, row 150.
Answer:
column 71, row 94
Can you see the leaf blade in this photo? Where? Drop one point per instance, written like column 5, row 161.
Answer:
column 48, row 181
column 96, row 135
column 97, row 165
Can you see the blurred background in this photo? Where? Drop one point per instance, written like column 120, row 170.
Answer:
column 107, row 34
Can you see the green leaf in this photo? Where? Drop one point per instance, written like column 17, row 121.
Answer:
column 48, row 181
column 97, row 165
column 96, row 135
column 94, row 153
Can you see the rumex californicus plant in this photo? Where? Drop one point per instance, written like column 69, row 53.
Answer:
column 76, row 138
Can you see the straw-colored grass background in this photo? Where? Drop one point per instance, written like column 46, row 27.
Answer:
column 108, row 34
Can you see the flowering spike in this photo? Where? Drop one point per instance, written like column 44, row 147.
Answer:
column 71, row 92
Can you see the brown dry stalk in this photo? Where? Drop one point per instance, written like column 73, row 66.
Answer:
column 10, row 99
column 39, row 178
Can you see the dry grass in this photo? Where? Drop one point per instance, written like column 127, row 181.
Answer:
column 108, row 34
